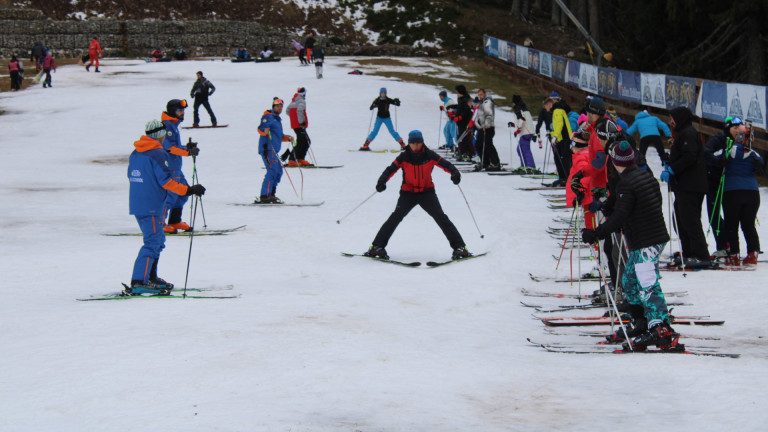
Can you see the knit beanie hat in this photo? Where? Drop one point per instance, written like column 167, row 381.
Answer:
column 580, row 138
column 383, row 90
column 302, row 91
column 622, row 154
column 154, row 129
column 415, row 136
column 460, row 89
column 595, row 105
column 443, row 94
column 555, row 95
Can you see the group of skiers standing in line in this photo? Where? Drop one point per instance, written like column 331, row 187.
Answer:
column 608, row 178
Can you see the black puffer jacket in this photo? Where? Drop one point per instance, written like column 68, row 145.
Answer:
column 637, row 211
column 686, row 156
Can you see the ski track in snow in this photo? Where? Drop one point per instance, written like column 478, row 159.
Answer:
column 317, row 342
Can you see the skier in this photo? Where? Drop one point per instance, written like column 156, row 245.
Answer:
column 449, row 130
column 561, row 132
column 580, row 184
column 150, row 181
column 686, row 173
column 270, row 141
column 16, row 71
column 48, row 64
column 638, row 212
column 417, row 162
column 94, row 51
column 718, row 144
column 299, row 51
column 611, row 112
column 741, row 197
column 486, row 129
column 545, row 118
column 309, row 45
column 649, row 126
column 319, row 57
column 297, row 112
column 38, row 52
column 174, row 204
column 383, row 116
column 201, row 90
column 463, row 117
column 524, row 129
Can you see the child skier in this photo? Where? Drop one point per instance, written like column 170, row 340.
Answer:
column 382, row 104
column 173, row 115
column 417, row 162
column 150, row 181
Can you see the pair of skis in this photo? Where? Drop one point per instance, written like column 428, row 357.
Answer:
column 414, row 263
column 197, row 294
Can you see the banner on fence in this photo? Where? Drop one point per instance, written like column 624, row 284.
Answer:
column 608, row 82
column 629, row 86
column 680, row 91
column 559, row 65
column 521, row 56
column 545, row 64
column 588, row 78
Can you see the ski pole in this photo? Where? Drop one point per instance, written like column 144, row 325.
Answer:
column 439, row 127
column 677, row 231
column 272, row 146
column 191, row 237
column 565, row 241
column 196, row 180
column 338, row 221
column 611, row 299
column 370, row 123
column 470, row 211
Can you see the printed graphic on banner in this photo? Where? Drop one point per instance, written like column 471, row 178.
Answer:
column 503, row 51
column 652, row 87
column 558, row 68
column 533, row 60
column 629, row 86
column 748, row 102
column 511, row 49
column 545, row 64
column 713, row 100
column 521, row 57
column 492, row 46
column 607, row 82
column 588, row 78
column 572, row 73
column 680, row 91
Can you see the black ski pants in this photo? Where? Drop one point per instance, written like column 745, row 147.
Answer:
column 465, row 145
column 302, row 146
column 207, row 106
column 740, row 207
column 485, row 147
column 429, row 202
column 655, row 141
column 562, row 155
column 689, row 229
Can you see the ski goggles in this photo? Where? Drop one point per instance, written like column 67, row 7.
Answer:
column 277, row 102
column 183, row 103
column 732, row 121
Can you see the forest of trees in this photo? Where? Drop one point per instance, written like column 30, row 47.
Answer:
column 715, row 39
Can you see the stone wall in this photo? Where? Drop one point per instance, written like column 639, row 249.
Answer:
column 21, row 28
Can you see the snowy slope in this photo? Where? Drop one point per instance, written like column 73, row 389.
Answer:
column 317, row 341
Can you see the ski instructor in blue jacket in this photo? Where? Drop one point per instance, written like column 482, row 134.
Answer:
column 150, row 182
column 272, row 137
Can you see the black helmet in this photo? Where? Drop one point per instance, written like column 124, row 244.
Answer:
column 175, row 105
column 606, row 129
column 595, row 105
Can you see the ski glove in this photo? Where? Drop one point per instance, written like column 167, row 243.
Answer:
column 456, row 177
column 579, row 198
column 442, row 108
column 576, row 186
column 599, row 192
column 197, row 189
column 397, row 101
column 511, row 124
column 381, row 186
column 588, row 236
column 517, row 132
column 665, row 175
column 193, row 151
column 595, row 206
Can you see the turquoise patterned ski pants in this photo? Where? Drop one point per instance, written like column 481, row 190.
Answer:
column 641, row 283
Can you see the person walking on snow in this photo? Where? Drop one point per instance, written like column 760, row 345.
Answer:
column 449, row 130
column 94, row 51
column 270, row 141
column 486, row 129
column 48, row 64
column 638, row 213
column 417, row 162
column 17, row 73
column 174, row 204
column 150, row 182
column 297, row 112
column 201, row 90
column 381, row 104
column 524, row 129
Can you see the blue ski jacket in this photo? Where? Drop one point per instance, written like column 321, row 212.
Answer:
column 172, row 143
column 647, row 125
column 273, row 138
column 150, row 178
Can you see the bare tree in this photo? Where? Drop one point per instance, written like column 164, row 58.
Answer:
column 594, row 20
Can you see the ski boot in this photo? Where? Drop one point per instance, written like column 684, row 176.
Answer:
column 402, row 144
column 635, row 328
column 460, row 252
column 660, row 335
column 268, row 199
column 160, row 282
column 365, row 146
column 304, row 163
column 734, row 260
column 87, row 68
column 292, row 163
column 750, row 259
column 139, row 287
column 376, row 252
column 97, row 70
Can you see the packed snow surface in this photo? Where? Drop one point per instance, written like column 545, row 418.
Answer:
column 316, row 341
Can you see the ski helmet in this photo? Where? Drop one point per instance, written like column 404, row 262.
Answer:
column 154, row 129
column 595, row 105
column 175, row 105
column 606, row 129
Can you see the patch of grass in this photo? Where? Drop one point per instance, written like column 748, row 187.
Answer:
column 383, row 61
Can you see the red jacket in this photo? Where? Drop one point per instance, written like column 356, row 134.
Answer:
column 597, row 169
column 417, row 169
column 581, row 162
column 95, row 47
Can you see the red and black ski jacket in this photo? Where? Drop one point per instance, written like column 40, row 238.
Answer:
column 417, row 169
